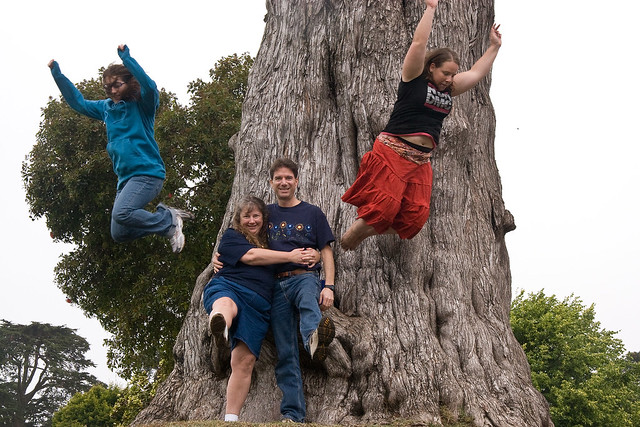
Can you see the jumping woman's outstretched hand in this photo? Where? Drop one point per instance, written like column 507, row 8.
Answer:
column 121, row 47
column 414, row 59
column 468, row 79
column 50, row 64
column 495, row 38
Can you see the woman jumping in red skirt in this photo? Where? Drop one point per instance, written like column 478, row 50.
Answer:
column 393, row 188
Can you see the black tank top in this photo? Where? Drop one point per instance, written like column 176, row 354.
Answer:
column 419, row 109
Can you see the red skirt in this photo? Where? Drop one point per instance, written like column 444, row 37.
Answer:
column 391, row 191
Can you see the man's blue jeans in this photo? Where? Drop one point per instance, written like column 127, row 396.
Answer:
column 129, row 219
column 293, row 295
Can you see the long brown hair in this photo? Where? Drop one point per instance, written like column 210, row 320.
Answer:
column 119, row 70
column 249, row 203
column 438, row 57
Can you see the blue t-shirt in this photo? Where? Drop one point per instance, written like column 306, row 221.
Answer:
column 258, row 278
column 300, row 226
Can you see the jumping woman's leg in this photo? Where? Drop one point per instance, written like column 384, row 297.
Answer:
column 359, row 231
column 129, row 218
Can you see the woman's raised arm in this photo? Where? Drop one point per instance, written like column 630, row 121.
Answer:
column 413, row 64
column 462, row 82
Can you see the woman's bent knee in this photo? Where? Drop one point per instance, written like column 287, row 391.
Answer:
column 119, row 236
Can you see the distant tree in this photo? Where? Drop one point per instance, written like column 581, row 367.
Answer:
column 578, row 366
column 41, row 366
column 139, row 291
column 93, row 408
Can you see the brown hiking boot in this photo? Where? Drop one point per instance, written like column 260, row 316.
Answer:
column 321, row 338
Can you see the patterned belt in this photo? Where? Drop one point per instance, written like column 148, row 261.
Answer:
column 403, row 150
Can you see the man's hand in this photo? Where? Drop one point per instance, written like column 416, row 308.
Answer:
column 326, row 299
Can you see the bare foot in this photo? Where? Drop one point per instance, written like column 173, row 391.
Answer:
column 358, row 231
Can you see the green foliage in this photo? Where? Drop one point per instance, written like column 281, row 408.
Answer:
column 576, row 365
column 41, row 366
column 110, row 406
column 136, row 396
column 93, row 408
column 139, row 291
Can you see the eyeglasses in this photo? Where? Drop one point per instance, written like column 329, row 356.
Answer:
column 115, row 85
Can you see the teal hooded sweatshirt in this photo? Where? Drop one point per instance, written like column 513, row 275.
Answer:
column 131, row 143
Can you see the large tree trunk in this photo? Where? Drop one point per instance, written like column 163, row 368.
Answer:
column 423, row 325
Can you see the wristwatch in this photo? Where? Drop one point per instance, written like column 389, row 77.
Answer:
column 330, row 287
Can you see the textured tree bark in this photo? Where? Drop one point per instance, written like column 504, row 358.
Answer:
column 423, row 326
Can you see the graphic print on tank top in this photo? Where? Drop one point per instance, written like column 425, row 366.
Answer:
column 438, row 101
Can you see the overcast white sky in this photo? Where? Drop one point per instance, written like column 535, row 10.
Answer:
column 566, row 144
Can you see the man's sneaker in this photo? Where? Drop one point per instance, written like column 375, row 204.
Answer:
column 321, row 338
column 218, row 327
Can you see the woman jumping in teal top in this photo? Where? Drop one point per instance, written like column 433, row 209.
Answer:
column 129, row 115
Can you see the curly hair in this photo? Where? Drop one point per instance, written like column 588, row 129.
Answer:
column 119, row 70
column 248, row 203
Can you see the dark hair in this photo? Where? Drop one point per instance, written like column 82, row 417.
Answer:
column 438, row 57
column 119, row 70
column 250, row 203
column 284, row 163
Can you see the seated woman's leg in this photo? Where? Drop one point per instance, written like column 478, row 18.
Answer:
column 227, row 308
column 242, row 362
column 223, row 311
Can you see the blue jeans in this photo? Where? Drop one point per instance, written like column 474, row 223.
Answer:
column 293, row 295
column 129, row 219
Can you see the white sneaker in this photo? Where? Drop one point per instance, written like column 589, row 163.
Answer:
column 177, row 240
column 185, row 215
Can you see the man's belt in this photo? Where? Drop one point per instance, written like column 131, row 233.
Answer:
column 295, row 272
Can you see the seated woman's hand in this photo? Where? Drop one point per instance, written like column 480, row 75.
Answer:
column 298, row 256
column 215, row 260
column 311, row 257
